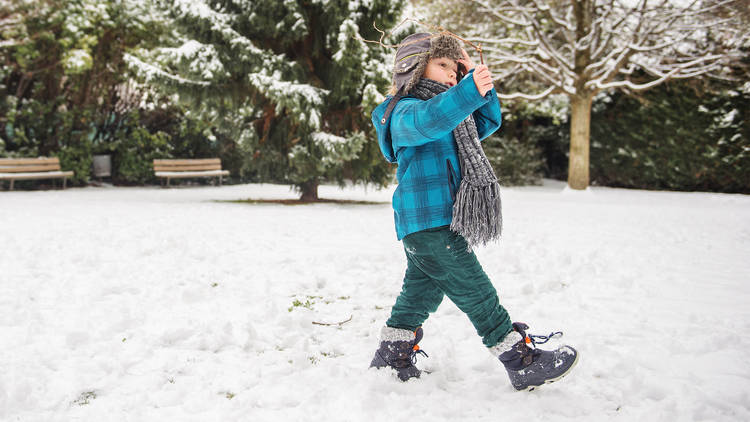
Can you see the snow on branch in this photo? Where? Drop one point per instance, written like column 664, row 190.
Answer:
column 542, row 95
column 151, row 72
column 202, row 59
column 302, row 99
column 506, row 41
column 689, row 69
column 586, row 46
column 12, row 42
column 327, row 138
column 12, row 28
column 221, row 24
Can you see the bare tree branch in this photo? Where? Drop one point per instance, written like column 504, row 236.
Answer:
column 660, row 37
column 515, row 95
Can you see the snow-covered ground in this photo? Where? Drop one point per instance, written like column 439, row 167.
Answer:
column 150, row 304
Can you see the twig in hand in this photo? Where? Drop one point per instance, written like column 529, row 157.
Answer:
column 333, row 323
column 439, row 31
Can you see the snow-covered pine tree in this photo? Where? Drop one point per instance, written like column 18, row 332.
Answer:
column 286, row 78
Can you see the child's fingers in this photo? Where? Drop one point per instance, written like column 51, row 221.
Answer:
column 466, row 61
column 482, row 79
column 481, row 73
column 489, row 74
column 482, row 70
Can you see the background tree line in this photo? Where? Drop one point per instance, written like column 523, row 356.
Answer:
column 281, row 92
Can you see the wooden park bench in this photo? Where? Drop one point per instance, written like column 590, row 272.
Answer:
column 32, row 168
column 175, row 169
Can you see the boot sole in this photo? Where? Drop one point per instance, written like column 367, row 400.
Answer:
column 551, row 380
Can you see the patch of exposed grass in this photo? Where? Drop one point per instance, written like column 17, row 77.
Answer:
column 297, row 303
column 85, row 398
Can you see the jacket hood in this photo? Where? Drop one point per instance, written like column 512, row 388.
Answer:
column 381, row 124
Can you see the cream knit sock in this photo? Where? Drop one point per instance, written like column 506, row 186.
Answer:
column 396, row 334
column 512, row 338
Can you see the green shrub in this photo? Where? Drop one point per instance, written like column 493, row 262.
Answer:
column 541, row 126
column 133, row 158
column 676, row 137
column 32, row 128
column 516, row 163
column 76, row 155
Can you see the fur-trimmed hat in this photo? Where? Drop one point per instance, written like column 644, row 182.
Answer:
column 415, row 51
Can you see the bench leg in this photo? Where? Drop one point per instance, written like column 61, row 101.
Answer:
column 11, row 184
column 65, row 180
column 220, row 180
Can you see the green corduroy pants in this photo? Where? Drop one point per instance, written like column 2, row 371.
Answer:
column 439, row 263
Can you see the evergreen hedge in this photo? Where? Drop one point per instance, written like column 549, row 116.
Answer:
column 675, row 137
column 516, row 163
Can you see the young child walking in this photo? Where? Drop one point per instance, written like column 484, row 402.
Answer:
column 448, row 200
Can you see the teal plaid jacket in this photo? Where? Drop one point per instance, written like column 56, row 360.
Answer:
column 419, row 137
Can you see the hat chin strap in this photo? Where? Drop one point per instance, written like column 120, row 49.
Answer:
column 392, row 105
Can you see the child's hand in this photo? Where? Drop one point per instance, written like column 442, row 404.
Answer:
column 482, row 79
column 482, row 75
column 466, row 61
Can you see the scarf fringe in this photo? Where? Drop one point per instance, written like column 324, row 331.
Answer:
column 477, row 213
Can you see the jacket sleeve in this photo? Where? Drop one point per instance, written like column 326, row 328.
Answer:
column 488, row 117
column 415, row 122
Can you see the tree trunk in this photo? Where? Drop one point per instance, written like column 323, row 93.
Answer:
column 580, row 125
column 309, row 191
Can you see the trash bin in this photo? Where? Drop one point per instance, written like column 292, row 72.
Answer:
column 102, row 166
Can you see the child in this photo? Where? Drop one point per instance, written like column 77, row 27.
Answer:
column 447, row 200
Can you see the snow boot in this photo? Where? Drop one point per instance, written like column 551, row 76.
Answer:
column 398, row 350
column 529, row 367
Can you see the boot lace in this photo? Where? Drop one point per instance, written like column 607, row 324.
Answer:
column 416, row 351
column 534, row 339
column 540, row 339
column 405, row 359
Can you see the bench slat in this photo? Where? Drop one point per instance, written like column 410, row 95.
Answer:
column 188, row 162
column 180, row 174
column 40, row 175
column 182, row 168
column 29, row 168
column 24, row 161
column 188, row 168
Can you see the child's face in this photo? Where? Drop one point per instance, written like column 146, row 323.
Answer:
column 443, row 70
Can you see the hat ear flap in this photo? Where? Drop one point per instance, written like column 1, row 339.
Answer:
column 406, row 66
column 408, row 71
column 417, row 73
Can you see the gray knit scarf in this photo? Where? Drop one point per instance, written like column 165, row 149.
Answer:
column 477, row 211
